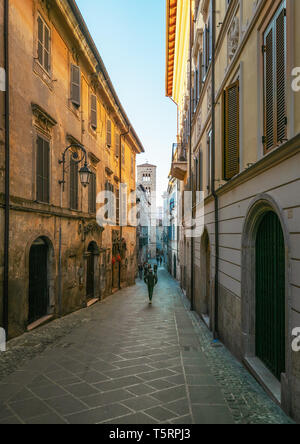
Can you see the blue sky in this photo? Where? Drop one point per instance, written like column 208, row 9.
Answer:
column 130, row 36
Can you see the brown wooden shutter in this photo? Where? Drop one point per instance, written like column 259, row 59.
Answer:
column 92, row 194
column 40, row 40
column 73, row 184
column 43, row 170
column 281, row 76
column 46, row 184
column 47, row 49
column 75, row 85
column 269, row 90
column 231, row 132
column 118, row 141
column 123, row 154
column 94, row 111
column 108, row 133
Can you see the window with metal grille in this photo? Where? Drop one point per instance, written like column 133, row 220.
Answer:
column 73, row 184
column 274, row 52
column 43, row 170
column 75, row 85
column 231, row 131
column 93, row 111
column 92, row 194
column 43, row 44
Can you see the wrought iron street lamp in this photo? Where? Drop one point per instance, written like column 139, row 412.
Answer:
column 85, row 176
column 84, row 173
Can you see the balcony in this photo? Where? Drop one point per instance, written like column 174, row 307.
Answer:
column 179, row 161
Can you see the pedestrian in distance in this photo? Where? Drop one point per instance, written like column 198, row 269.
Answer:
column 141, row 269
column 146, row 269
column 160, row 260
column 156, row 271
column 157, row 260
column 151, row 280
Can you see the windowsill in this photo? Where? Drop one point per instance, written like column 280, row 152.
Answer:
column 44, row 75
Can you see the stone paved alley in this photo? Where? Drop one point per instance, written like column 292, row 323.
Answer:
column 125, row 362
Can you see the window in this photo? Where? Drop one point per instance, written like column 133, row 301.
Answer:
column 108, row 133
column 43, row 170
column 94, row 111
column 75, row 85
column 73, row 184
column 274, row 49
column 43, row 44
column 231, row 131
column 92, row 194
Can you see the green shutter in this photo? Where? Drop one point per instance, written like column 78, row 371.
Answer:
column 231, row 132
column 281, row 76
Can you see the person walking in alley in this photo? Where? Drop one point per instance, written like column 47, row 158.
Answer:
column 161, row 260
column 141, row 269
column 151, row 280
column 156, row 270
column 146, row 269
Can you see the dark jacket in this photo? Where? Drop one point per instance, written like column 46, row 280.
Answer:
column 151, row 280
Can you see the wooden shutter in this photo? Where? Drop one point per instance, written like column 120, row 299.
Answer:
column 108, row 133
column 75, row 85
column 73, row 184
column 94, row 111
column 199, row 88
column 281, row 76
column 92, row 194
column 123, row 154
column 40, row 40
column 231, row 132
column 275, row 81
column 269, row 90
column 46, row 48
column 43, row 170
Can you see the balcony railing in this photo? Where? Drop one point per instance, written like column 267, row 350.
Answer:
column 179, row 161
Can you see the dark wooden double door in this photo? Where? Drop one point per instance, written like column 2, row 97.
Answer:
column 38, row 281
column 270, row 294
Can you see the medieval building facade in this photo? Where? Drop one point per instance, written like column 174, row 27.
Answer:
column 61, row 100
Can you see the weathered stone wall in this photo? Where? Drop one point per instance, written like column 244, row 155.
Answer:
column 41, row 105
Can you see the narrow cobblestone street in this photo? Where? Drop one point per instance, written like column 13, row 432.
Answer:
column 125, row 362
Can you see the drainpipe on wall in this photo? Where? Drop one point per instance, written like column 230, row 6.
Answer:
column 191, row 157
column 7, row 171
column 213, row 142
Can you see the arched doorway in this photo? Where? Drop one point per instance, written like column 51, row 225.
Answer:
column 92, row 252
column 270, row 294
column 38, row 280
column 205, row 290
